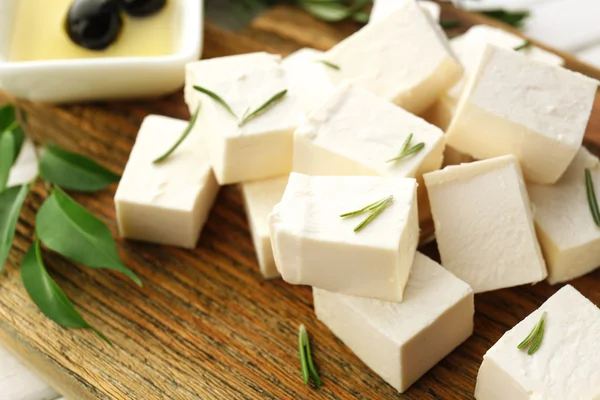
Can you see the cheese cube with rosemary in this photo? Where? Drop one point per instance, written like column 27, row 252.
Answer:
column 469, row 48
column 357, row 133
column 567, row 231
column 483, row 224
column 404, row 58
column 246, row 114
column 383, row 8
column 353, row 235
column 166, row 202
column 402, row 341
column 558, row 361
column 514, row 105
column 259, row 199
column 308, row 78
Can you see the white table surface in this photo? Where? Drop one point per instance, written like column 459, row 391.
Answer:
column 569, row 25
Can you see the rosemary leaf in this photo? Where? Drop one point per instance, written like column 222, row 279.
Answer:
column 306, row 361
column 329, row 64
column 184, row 135
column 535, row 337
column 216, row 98
column 525, row 45
column 375, row 209
column 406, row 151
column 512, row 18
column 591, row 196
column 247, row 117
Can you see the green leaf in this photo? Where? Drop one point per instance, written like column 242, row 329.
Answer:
column 333, row 11
column 69, row 229
column 184, row 135
column 216, row 98
column 512, row 18
column 7, row 156
column 47, row 295
column 74, row 171
column 7, row 116
column 11, row 201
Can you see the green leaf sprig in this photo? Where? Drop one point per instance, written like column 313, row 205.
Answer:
column 525, row 45
column 375, row 209
column 591, row 196
column 535, row 337
column 407, row 150
column 62, row 224
column 450, row 23
column 247, row 116
column 515, row 19
column 11, row 201
column 47, row 295
column 183, row 136
column 11, row 141
column 329, row 64
column 74, row 171
column 306, row 362
column 336, row 10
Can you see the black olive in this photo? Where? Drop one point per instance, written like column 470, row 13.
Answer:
column 94, row 24
column 142, row 8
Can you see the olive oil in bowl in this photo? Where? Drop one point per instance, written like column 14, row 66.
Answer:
column 39, row 33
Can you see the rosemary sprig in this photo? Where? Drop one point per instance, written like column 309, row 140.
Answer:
column 329, row 64
column 216, row 98
column 535, row 337
column 306, row 362
column 248, row 116
column 184, row 135
column 406, row 151
column 375, row 209
column 525, row 45
column 591, row 196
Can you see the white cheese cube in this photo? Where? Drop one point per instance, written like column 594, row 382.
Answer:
column 383, row 8
column 514, row 105
column 402, row 341
column 356, row 133
column 483, row 224
column 167, row 202
column 569, row 237
column 566, row 365
column 25, row 168
column 314, row 246
column 404, row 58
column 308, row 78
column 259, row 199
column 470, row 47
column 260, row 148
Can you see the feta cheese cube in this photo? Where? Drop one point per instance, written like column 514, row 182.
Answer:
column 168, row 202
column 383, row 8
column 25, row 168
column 566, row 365
column 259, row 199
column 314, row 246
column 470, row 47
column 356, row 133
column 402, row 341
column 260, row 148
column 307, row 77
column 569, row 237
column 404, row 58
column 514, row 105
column 483, row 224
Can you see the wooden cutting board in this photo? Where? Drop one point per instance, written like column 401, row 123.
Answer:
column 205, row 325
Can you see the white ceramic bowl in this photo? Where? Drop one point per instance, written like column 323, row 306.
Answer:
column 61, row 81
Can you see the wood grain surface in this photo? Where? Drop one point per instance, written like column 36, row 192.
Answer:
column 205, row 325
